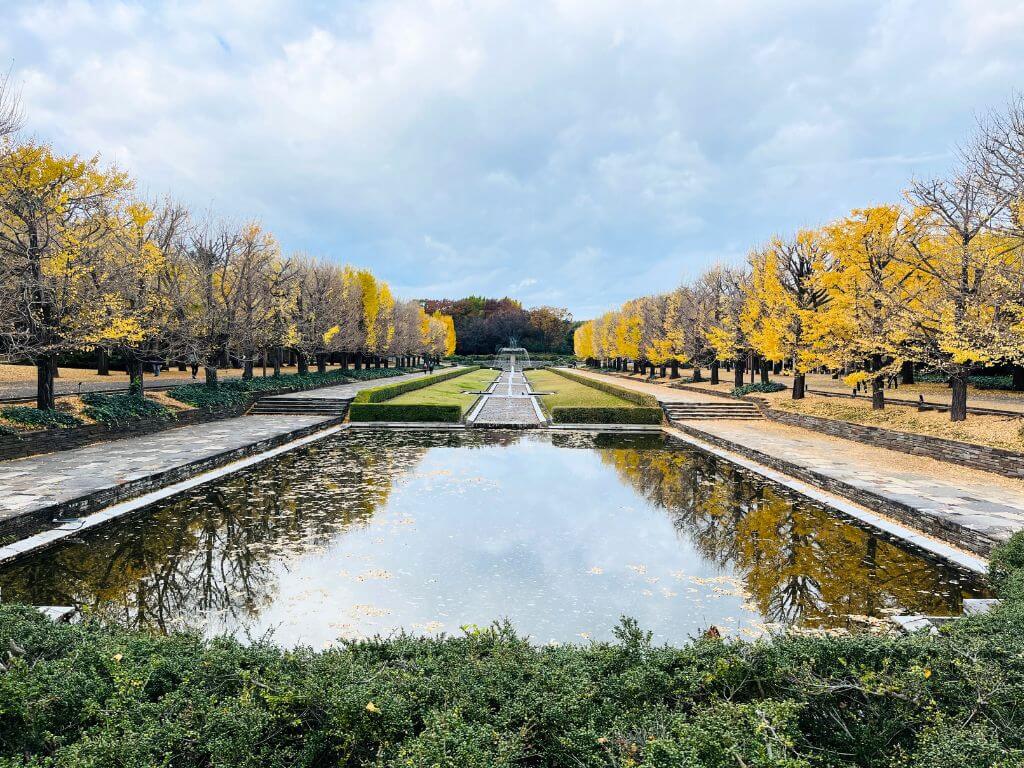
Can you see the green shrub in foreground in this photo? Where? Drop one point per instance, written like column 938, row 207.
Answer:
column 746, row 389
column 96, row 695
column 117, row 410
column 606, row 415
column 404, row 412
column 33, row 417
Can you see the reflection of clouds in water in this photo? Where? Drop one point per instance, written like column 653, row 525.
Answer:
column 379, row 531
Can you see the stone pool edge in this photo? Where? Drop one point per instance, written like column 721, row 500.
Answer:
column 123, row 501
column 120, row 501
column 907, row 535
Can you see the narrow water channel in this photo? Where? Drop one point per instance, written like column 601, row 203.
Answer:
column 374, row 532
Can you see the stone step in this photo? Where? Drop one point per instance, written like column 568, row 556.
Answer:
column 294, row 406
column 716, row 410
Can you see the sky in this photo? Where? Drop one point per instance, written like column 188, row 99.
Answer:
column 574, row 153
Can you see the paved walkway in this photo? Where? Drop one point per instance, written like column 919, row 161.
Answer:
column 988, row 503
column 37, row 482
column 511, row 403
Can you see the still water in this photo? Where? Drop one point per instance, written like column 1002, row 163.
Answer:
column 370, row 532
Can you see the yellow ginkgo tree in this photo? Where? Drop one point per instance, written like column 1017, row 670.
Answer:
column 54, row 220
column 781, row 299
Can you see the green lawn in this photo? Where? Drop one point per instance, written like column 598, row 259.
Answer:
column 571, row 394
column 450, row 392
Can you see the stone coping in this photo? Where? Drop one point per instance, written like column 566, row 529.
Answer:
column 941, row 538
column 941, row 528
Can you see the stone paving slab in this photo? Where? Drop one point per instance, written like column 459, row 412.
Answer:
column 986, row 503
column 37, row 482
column 510, row 404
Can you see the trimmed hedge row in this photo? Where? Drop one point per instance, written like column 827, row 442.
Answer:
column 389, row 391
column 404, row 412
column 639, row 398
column 606, row 415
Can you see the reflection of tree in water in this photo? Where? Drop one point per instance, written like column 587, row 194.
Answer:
column 798, row 562
column 214, row 552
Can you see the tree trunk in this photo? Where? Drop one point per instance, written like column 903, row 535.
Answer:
column 277, row 361
column 877, row 385
column 737, row 371
column 777, row 368
column 134, row 366
column 301, row 362
column 799, row 386
column 53, row 367
column 45, row 399
column 714, row 372
column 907, row 372
column 182, row 366
column 766, row 368
column 675, row 370
column 958, row 406
column 877, row 394
column 662, row 370
column 102, row 362
column 1018, row 377
column 247, row 368
column 210, row 371
column 321, row 363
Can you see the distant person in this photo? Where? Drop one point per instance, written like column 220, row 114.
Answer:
column 194, row 365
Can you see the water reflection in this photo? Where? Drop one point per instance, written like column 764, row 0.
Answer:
column 369, row 532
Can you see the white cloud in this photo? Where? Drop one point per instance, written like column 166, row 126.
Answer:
column 605, row 146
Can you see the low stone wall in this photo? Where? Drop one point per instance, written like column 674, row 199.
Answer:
column 946, row 530
column 50, row 440
column 985, row 458
column 25, row 525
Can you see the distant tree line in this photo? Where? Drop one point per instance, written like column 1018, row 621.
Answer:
column 483, row 325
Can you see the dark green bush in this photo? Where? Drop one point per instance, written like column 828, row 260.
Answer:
column 368, row 374
column 606, row 415
column 33, row 417
column 746, row 389
column 631, row 395
column 389, row 391
column 237, row 392
column 117, row 410
column 6, row 431
column 978, row 381
column 97, row 695
column 404, row 412
column 1006, row 560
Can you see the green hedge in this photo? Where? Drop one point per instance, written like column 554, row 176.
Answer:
column 606, row 415
column 237, row 392
column 388, row 391
column 33, row 417
column 747, row 389
column 404, row 412
column 94, row 694
column 117, row 410
column 640, row 398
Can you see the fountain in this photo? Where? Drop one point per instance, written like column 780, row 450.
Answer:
column 512, row 357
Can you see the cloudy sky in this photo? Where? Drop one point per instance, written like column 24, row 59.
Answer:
column 574, row 152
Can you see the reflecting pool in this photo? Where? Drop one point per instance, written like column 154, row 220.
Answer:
column 370, row 532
